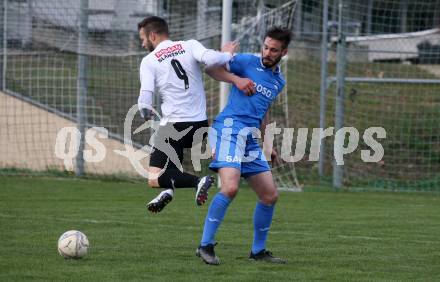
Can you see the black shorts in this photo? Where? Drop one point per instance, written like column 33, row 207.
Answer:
column 159, row 158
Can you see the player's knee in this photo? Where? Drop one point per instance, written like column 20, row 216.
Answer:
column 270, row 198
column 229, row 190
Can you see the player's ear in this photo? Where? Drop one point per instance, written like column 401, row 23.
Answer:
column 284, row 52
column 152, row 36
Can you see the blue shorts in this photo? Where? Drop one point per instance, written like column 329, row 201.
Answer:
column 238, row 148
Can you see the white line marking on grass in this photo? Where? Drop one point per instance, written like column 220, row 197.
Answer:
column 388, row 239
column 295, row 232
column 96, row 221
column 359, row 237
column 93, row 221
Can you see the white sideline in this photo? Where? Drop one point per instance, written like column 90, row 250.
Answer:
column 360, row 237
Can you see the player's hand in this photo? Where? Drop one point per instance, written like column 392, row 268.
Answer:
column 274, row 157
column 230, row 47
column 146, row 114
column 246, row 85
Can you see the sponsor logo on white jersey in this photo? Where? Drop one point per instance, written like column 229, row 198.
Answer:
column 168, row 52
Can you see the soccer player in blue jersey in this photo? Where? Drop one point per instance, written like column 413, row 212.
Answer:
column 236, row 151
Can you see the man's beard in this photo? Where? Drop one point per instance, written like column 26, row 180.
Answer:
column 149, row 46
column 270, row 63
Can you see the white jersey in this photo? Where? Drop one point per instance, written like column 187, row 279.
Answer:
column 173, row 70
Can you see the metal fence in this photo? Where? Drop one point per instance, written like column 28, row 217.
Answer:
column 354, row 63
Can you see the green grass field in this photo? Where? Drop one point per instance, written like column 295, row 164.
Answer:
column 333, row 236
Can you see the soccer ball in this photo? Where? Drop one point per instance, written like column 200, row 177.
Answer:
column 73, row 244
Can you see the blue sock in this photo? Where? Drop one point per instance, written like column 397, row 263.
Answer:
column 262, row 220
column 214, row 218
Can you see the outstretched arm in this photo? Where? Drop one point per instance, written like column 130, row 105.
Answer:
column 221, row 74
column 211, row 57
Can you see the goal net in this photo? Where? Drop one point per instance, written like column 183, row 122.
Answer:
column 40, row 68
column 250, row 32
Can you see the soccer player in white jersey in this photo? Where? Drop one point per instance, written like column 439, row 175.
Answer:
column 172, row 70
column 237, row 153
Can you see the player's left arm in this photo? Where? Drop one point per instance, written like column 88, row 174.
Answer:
column 211, row 57
column 268, row 149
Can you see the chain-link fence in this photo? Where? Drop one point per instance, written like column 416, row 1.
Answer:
column 388, row 54
column 375, row 64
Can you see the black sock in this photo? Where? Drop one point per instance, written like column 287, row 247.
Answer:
column 174, row 178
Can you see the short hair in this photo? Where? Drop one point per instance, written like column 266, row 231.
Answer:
column 280, row 34
column 154, row 24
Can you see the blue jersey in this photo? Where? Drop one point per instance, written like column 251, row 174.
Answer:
column 250, row 110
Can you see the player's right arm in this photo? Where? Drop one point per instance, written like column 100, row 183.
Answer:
column 234, row 72
column 221, row 74
column 145, row 103
column 145, row 99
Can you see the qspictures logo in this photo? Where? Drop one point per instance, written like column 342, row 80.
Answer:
column 346, row 141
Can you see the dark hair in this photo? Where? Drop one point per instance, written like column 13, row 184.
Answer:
column 154, row 24
column 280, row 34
